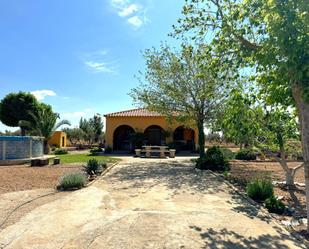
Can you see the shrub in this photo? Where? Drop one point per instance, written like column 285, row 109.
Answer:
column 245, row 154
column 214, row 160
column 108, row 150
column 260, row 189
column 60, row 151
column 93, row 167
column 71, row 181
column 274, row 205
column 227, row 153
column 96, row 150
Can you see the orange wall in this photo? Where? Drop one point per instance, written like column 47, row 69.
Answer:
column 140, row 124
column 56, row 139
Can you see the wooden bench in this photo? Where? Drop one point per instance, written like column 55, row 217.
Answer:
column 41, row 161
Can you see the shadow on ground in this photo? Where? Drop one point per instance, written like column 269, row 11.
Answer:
column 181, row 176
column 224, row 238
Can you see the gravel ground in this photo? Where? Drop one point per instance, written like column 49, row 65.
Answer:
column 24, row 177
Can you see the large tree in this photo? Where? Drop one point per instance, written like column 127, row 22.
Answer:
column 270, row 36
column 16, row 107
column 182, row 84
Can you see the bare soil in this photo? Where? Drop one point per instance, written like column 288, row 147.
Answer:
column 24, row 177
column 243, row 171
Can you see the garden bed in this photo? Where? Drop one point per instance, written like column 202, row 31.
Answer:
column 243, row 171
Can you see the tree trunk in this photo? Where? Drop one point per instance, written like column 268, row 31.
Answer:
column 303, row 112
column 289, row 177
column 46, row 147
column 201, row 137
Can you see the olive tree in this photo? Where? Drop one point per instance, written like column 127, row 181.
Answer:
column 271, row 37
column 184, row 84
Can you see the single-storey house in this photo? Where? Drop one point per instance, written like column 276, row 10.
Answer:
column 155, row 128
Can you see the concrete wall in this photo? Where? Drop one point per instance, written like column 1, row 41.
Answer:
column 17, row 147
column 140, row 124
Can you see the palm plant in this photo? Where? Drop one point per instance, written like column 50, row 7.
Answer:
column 45, row 124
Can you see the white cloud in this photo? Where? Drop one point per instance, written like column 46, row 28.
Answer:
column 128, row 10
column 135, row 21
column 99, row 67
column 41, row 94
column 78, row 114
column 134, row 13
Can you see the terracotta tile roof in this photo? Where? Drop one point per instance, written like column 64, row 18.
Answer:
column 140, row 112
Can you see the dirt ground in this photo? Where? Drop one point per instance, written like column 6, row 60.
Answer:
column 150, row 203
column 24, row 177
column 243, row 171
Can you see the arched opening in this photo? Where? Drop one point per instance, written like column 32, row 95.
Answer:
column 154, row 135
column 121, row 139
column 184, row 138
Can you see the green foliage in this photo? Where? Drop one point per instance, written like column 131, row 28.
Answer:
column 185, row 82
column 241, row 118
column 227, row 153
column 92, row 129
column 274, row 205
column 72, row 181
column 45, row 123
column 213, row 160
column 74, row 135
column 137, row 139
column 260, row 189
column 60, row 151
column 108, row 150
column 16, row 107
column 94, row 167
column 96, row 150
column 245, row 154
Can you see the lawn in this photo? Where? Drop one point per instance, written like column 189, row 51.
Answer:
column 82, row 158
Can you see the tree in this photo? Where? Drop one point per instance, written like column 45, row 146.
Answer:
column 75, row 135
column 239, row 122
column 45, row 123
column 182, row 84
column 272, row 37
column 15, row 107
column 279, row 127
column 97, row 126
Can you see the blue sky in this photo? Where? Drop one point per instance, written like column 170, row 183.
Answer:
column 80, row 56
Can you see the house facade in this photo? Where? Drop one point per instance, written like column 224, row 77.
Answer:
column 58, row 139
column 152, row 127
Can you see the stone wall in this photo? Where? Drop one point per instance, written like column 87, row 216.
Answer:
column 17, row 147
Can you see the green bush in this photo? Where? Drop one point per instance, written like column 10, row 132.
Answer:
column 227, row 153
column 96, row 150
column 60, row 151
column 260, row 189
column 214, row 160
column 245, row 154
column 71, row 181
column 108, row 150
column 93, row 167
column 274, row 205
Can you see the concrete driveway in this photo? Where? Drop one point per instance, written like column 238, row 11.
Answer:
column 150, row 203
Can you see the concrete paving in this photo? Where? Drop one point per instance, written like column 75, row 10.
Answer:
column 149, row 203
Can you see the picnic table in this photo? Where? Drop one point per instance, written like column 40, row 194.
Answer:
column 150, row 149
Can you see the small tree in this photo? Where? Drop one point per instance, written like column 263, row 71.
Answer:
column 97, row 126
column 15, row 107
column 183, row 84
column 75, row 135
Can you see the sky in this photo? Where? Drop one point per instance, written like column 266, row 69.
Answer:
column 80, row 56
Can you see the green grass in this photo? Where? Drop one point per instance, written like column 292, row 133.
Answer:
column 83, row 158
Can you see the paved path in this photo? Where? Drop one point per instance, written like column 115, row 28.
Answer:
column 149, row 204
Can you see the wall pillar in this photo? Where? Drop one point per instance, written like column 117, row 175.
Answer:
column 3, row 150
